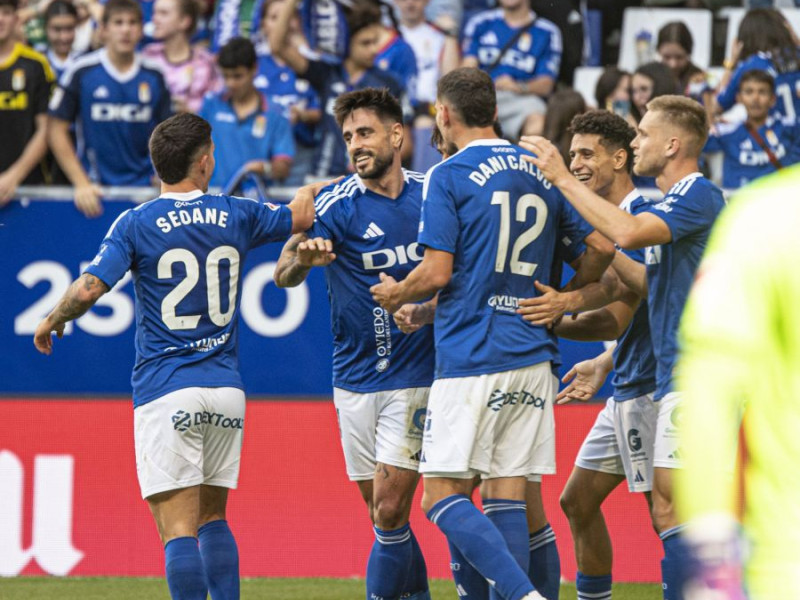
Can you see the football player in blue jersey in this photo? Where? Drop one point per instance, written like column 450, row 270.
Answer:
column 365, row 225
column 674, row 233
column 117, row 98
column 356, row 71
column 620, row 445
column 185, row 250
column 489, row 228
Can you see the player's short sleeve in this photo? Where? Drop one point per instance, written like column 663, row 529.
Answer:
column 329, row 220
column 686, row 214
column 282, row 139
column 116, row 253
column 572, row 228
column 65, row 102
column 438, row 227
column 549, row 62
column 269, row 222
column 638, row 206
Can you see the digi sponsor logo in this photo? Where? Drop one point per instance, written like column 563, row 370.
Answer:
column 634, row 441
column 499, row 399
column 182, row 420
column 127, row 113
column 386, row 258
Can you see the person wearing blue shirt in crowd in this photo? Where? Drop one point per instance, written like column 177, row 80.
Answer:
column 185, row 250
column 765, row 41
column 489, row 226
column 396, row 57
column 282, row 87
column 249, row 133
column 367, row 224
column 356, row 71
column 762, row 144
column 117, row 98
column 674, row 232
column 522, row 53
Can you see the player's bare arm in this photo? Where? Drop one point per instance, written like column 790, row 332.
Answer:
column 430, row 276
column 298, row 256
column 626, row 230
column 586, row 378
column 413, row 317
column 80, row 297
column 604, row 324
column 631, row 273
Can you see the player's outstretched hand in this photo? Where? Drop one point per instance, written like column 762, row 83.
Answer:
column 316, row 252
column 545, row 310
column 42, row 338
column 548, row 159
column 315, row 188
column 382, row 293
column 585, row 379
column 411, row 318
column 87, row 200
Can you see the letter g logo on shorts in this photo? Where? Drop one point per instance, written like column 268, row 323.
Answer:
column 634, row 441
column 181, row 420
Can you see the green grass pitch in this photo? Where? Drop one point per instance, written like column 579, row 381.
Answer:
column 130, row 588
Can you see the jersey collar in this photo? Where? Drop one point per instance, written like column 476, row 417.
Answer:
column 628, row 200
column 12, row 58
column 183, row 196
column 112, row 70
column 489, row 142
column 675, row 185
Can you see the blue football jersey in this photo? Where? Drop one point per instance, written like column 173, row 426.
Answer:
column 284, row 89
column 372, row 234
column 689, row 209
column 743, row 157
column 787, row 86
column 537, row 51
column 185, row 252
column 115, row 114
column 634, row 361
column 500, row 218
column 331, row 80
column 264, row 134
column 398, row 59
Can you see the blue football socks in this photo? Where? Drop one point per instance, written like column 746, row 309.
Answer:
column 545, row 564
column 509, row 518
column 675, row 563
column 469, row 583
column 389, row 563
column 416, row 585
column 185, row 576
column 481, row 544
column 220, row 559
column 593, row 587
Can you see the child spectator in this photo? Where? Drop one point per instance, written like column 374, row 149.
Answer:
column 60, row 22
column 674, row 47
column 762, row 144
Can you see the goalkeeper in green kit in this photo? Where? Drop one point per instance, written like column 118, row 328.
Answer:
column 741, row 364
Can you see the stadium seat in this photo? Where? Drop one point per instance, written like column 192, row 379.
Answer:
column 646, row 22
column 735, row 15
column 584, row 81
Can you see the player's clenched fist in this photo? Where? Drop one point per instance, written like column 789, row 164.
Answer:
column 316, row 252
column 383, row 293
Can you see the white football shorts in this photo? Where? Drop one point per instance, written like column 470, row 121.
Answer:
column 667, row 452
column 621, row 441
column 380, row 427
column 189, row 437
column 495, row 425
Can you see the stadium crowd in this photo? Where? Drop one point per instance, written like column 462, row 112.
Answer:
column 112, row 71
column 289, row 100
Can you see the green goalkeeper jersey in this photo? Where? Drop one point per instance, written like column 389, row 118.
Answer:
column 740, row 343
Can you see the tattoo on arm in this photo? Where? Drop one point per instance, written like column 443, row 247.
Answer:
column 289, row 272
column 79, row 298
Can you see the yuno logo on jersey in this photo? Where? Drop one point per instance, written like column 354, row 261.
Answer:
column 386, row 258
column 51, row 530
column 128, row 113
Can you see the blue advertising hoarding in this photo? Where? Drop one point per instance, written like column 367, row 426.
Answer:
column 284, row 338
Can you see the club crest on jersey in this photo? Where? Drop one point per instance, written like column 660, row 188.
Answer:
column 259, row 126
column 772, row 138
column 525, row 41
column 18, row 80
column 144, row 92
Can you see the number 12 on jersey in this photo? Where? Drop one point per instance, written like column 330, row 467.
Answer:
column 527, row 237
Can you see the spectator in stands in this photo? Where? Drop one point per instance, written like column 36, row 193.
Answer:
column 118, row 98
column 60, row 21
column 357, row 71
column 396, row 57
column 90, row 13
column 674, row 46
column 522, row 53
column 613, row 91
column 248, row 132
column 189, row 70
column 25, row 82
column 562, row 107
column 650, row 81
column 447, row 15
column 284, row 89
column 762, row 144
column 765, row 41
column 567, row 15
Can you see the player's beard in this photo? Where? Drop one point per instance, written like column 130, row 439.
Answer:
column 380, row 164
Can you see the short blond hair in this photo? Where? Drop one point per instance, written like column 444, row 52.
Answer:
column 688, row 115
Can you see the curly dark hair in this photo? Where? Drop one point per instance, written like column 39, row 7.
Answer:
column 614, row 131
